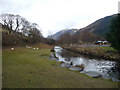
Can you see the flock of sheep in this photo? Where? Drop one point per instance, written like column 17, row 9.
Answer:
column 26, row 47
column 31, row 47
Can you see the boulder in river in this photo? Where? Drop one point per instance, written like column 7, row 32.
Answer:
column 83, row 72
column 52, row 55
column 75, row 68
column 106, row 77
column 94, row 74
column 66, row 65
column 80, row 66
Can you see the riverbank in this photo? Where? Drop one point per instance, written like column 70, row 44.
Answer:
column 29, row 68
column 99, row 52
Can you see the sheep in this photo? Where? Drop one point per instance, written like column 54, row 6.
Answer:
column 37, row 48
column 34, row 48
column 29, row 47
column 12, row 49
column 26, row 46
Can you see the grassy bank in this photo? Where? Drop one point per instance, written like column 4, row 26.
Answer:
column 102, row 52
column 28, row 68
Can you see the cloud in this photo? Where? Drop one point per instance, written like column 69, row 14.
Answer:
column 54, row 15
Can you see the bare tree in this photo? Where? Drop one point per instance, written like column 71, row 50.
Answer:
column 21, row 27
column 65, row 39
column 15, row 22
column 87, row 37
column 19, row 21
column 8, row 20
column 34, row 33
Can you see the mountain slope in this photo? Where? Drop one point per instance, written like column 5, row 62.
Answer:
column 57, row 35
column 99, row 27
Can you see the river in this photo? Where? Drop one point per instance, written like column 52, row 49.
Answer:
column 106, row 69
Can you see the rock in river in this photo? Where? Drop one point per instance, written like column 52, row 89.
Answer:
column 66, row 65
column 75, row 68
column 94, row 74
column 83, row 72
column 52, row 55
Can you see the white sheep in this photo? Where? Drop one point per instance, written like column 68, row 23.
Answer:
column 12, row 49
column 26, row 46
column 37, row 48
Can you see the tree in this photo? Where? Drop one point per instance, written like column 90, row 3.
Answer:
column 20, row 28
column 8, row 20
column 25, row 27
column 35, row 33
column 114, row 35
column 19, row 22
column 88, row 37
column 65, row 39
column 50, row 41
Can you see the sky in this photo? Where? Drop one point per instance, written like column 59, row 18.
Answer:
column 55, row 15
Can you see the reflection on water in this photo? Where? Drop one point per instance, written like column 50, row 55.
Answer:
column 108, row 69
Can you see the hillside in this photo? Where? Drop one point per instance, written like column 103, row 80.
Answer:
column 58, row 34
column 99, row 27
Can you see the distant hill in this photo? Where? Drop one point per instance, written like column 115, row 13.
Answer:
column 57, row 35
column 99, row 27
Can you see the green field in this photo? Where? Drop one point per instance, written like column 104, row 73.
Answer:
column 28, row 68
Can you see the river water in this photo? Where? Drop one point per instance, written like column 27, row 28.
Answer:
column 106, row 68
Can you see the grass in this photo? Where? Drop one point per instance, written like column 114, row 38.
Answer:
column 28, row 68
column 104, row 51
column 101, row 49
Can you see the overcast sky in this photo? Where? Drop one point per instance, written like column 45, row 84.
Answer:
column 55, row 15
